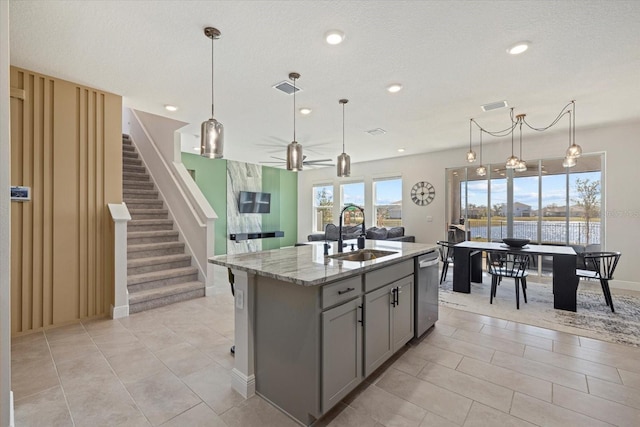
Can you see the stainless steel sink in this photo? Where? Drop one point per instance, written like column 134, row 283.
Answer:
column 362, row 255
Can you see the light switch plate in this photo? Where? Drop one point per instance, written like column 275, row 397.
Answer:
column 239, row 299
column 429, row 218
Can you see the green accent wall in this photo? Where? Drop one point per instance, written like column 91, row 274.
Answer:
column 283, row 186
column 211, row 178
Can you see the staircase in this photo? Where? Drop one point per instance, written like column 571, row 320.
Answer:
column 158, row 270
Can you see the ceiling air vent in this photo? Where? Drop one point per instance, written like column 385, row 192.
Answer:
column 494, row 106
column 286, row 87
column 376, row 131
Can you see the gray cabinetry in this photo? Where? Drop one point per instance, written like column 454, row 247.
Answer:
column 341, row 351
column 388, row 322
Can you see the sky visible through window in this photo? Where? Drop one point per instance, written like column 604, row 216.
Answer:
column 526, row 189
column 388, row 191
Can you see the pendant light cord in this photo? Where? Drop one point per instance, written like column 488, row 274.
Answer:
column 570, row 128
column 294, row 109
column 343, row 127
column 470, row 121
column 480, row 147
column 212, row 111
column 574, row 121
column 521, row 120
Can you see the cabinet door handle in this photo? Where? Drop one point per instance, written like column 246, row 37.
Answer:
column 398, row 292
column 361, row 320
column 393, row 296
column 346, row 290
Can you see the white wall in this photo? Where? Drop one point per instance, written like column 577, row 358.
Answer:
column 5, row 219
column 621, row 205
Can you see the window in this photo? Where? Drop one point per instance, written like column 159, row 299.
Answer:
column 322, row 207
column 546, row 204
column 387, row 202
column 352, row 194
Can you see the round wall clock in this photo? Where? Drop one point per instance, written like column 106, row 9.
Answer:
column 423, row 193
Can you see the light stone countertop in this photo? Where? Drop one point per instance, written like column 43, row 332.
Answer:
column 307, row 266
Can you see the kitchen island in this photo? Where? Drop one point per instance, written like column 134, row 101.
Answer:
column 309, row 328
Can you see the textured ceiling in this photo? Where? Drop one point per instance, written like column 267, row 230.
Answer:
column 449, row 55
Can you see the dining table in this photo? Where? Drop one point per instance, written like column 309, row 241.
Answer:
column 467, row 267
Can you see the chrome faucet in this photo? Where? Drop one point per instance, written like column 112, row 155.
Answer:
column 361, row 238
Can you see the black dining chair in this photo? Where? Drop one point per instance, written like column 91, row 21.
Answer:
column 509, row 265
column 600, row 266
column 445, row 249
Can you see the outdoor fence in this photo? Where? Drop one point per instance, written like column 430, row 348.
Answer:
column 551, row 232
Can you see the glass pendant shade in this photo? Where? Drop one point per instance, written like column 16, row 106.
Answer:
column 294, row 156
column 521, row 166
column 471, row 156
column 295, row 159
column 569, row 162
column 344, row 165
column 574, row 151
column 512, row 162
column 481, row 171
column 212, row 139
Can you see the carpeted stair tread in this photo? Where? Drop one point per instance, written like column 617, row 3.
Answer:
column 129, row 168
column 164, row 262
column 161, row 275
column 148, row 246
column 153, row 298
column 131, row 161
column 144, row 204
column 135, row 193
column 135, row 176
column 143, row 185
column 139, row 262
column 152, row 236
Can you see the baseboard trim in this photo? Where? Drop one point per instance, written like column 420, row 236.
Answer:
column 244, row 385
column 119, row 312
column 12, row 421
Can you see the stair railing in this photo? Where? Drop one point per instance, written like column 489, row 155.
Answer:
column 120, row 216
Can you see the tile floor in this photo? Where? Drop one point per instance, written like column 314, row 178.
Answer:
column 171, row 367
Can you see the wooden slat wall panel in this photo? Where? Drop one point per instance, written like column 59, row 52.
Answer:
column 66, row 145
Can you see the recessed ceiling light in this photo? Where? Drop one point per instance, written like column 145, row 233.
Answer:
column 400, row 150
column 305, row 111
column 395, row 87
column 518, row 48
column 334, row 37
column 170, row 107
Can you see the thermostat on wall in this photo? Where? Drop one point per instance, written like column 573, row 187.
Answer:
column 20, row 194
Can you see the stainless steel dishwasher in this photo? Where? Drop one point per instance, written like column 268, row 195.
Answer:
column 426, row 292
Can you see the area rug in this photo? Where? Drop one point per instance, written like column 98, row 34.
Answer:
column 593, row 318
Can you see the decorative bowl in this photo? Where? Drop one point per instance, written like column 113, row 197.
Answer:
column 515, row 243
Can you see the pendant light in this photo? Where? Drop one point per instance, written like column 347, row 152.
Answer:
column 574, row 151
column 522, row 165
column 569, row 162
column 481, row 170
column 512, row 162
column 294, row 150
column 212, row 131
column 344, row 160
column 471, row 155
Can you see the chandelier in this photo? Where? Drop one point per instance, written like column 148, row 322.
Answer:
column 518, row 164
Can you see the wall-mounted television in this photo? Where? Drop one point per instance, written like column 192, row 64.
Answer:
column 254, row 202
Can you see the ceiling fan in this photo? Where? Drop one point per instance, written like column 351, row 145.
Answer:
column 305, row 162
